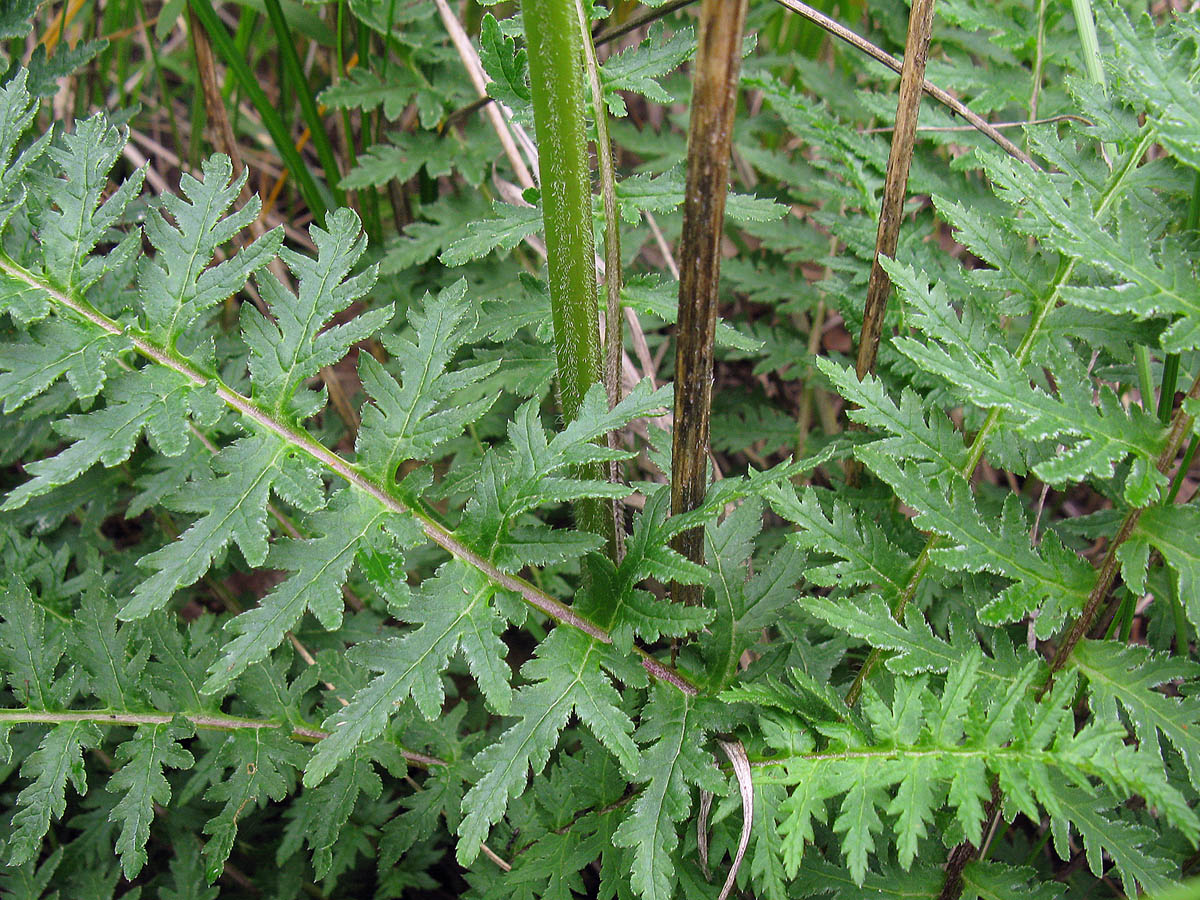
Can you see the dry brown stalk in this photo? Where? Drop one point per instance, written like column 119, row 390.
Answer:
column 710, row 133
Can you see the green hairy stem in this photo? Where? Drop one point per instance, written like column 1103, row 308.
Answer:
column 556, row 75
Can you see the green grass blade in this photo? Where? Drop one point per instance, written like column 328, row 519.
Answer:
column 270, row 116
column 308, row 106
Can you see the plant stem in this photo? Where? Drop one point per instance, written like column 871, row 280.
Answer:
column 270, row 116
column 612, row 256
column 213, row 721
column 710, row 133
column 1039, row 59
column 895, row 189
column 943, row 97
column 556, row 80
column 916, row 52
column 975, row 452
column 612, row 230
column 1166, row 393
column 839, row 31
column 1141, row 358
column 1181, row 426
column 554, row 65
column 645, row 17
column 1089, row 42
column 1184, row 466
column 303, row 441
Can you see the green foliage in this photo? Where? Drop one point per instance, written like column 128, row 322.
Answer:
column 142, row 760
column 673, row 762
column 289, row 601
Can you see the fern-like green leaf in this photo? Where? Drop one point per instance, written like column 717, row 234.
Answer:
column 535, row 469
column 864, row 554
column 1172, row 531
column 987, row 880
column 409, row 420
column 918, row 433
column 57, row 760
column 113, row 657
column 81, row 216
column 638, row 69
column 321, row 812
column 233, row 507
column 30, row 650
column 30, row 881
column 155, row 402
column 673, row 761
column 1047, row 577
column 262, row 763
column 407, row 153
column 352, row 524
column 54, row 349
column 1157, row 75
column 507, row 65
column 140, row 780
column 365, row 88
column 1127, row 677
column 1111, row 835
column 293, row 347
column 510, row 226
column 568, row 675
column 994, row 379
column 452, row 609
column 179, row 285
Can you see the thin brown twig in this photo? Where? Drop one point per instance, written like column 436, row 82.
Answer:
column 495, row 857
column 931, row 129
column 1180, row 427
column 645, row 17
column 952, row 103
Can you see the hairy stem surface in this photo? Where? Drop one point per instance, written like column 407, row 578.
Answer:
column 556, row 79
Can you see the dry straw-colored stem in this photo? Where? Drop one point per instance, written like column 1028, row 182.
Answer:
column 895, row 188
column 714, row 101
